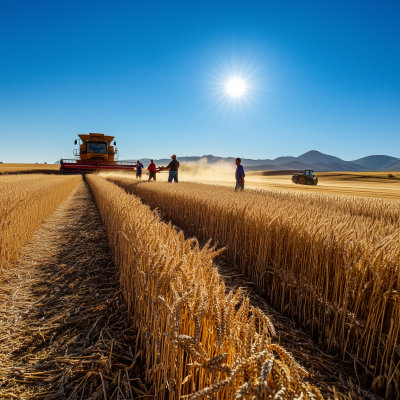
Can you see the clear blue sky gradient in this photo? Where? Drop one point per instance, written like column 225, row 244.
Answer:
column 321, row 75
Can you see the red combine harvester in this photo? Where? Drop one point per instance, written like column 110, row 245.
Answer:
column 95, row 153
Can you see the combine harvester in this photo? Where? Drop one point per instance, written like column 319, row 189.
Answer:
column 95, row 153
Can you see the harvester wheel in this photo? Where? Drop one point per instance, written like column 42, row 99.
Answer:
column 302, row 180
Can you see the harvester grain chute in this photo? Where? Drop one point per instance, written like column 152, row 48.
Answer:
column 307, row 178
column 96, row 152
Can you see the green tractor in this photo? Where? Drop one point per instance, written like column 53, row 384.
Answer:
column 305, row 179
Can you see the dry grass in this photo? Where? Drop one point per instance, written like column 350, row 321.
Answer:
column 331, row 262
column 25, row 201
column 11, row 168
column 199, row 340
column 339, row 176
column 360, row 184
column 381, row 176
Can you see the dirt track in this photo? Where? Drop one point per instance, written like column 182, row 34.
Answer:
column 63, row 325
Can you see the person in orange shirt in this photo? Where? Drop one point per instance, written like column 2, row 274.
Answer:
column 152, row 170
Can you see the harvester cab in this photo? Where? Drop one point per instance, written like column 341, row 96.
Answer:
column 96, row 152
column 307, row 178
column 96, row 146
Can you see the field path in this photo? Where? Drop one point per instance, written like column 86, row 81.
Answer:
column 63, row 325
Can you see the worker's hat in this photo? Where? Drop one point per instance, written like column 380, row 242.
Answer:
column 173, row 156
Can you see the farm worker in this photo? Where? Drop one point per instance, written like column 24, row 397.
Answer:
column 173, row 167
column 239, row 175
column 152, row 170
column 139, row 167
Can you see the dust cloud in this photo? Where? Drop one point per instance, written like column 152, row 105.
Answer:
column 201, row 170
column 120, row 174
column 204, row 171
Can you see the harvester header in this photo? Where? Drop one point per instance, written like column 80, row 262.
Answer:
column 96, row 152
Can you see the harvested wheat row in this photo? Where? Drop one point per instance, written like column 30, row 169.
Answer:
column 332, row 264
column 197, row 340
column 25, row 201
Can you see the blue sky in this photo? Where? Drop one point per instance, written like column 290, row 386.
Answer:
column 320, row 75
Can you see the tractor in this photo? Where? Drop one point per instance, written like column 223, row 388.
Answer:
column 305, row 179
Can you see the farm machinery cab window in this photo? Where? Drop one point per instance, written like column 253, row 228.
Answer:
column 310, row 173
column 96, row 147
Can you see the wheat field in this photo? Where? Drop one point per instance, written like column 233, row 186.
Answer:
column 14, row 168
column 198, row 340
column 25, row 201
column 331, row 262
column 354, row 184
column 359, row 184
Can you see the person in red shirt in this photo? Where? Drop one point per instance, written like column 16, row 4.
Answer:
column 152, row 170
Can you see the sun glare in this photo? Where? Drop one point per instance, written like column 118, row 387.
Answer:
column 235, row 87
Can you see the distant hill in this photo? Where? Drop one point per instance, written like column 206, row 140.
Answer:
column 316, row 157
column 302, row 165
column 282, row 160
column 266, row 167
column 376, row 161
column 313, row 159
column 381, row 163
column 393, row 166
column 336, row 166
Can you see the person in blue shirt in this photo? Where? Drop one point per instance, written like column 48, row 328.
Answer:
column 139, row 167
column 239, row 175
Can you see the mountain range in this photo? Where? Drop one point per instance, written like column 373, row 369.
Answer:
column 311, row 160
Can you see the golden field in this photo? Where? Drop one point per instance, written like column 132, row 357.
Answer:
column 10, row 168
column 360, row 184
column 25, row 201
column 198, row 339
column 329, row 261
column 327, row 256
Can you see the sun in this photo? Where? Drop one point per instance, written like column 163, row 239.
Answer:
column 236, row 87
